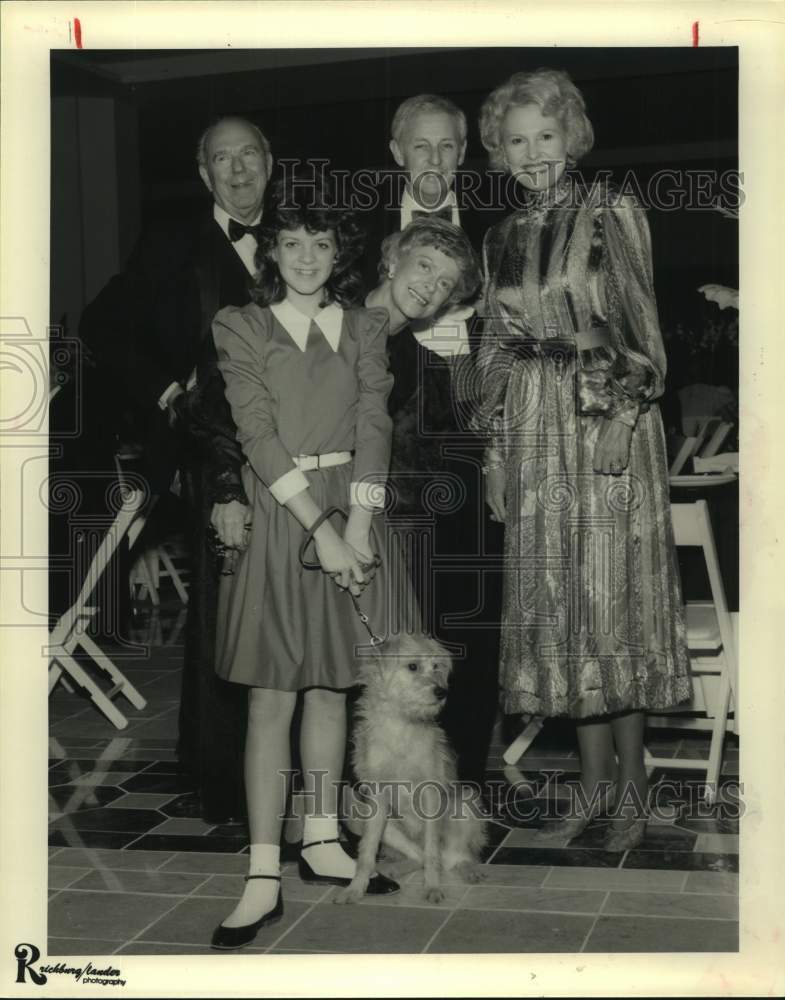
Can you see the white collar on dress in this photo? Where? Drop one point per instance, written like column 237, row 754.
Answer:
column 222, row 217
column 297, row 324
column 447, row 336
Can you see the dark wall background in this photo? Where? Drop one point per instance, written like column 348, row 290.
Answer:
column 651, row 109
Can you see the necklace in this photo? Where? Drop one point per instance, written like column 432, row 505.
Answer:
column 539, row 203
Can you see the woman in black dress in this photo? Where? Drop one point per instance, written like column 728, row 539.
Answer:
column 426, row 270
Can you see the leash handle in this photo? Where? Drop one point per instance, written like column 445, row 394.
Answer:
column 374, row 564
column 312, row 531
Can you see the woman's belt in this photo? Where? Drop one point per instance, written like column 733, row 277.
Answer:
column 582, row 340
column 306, row 463
column 595, row 336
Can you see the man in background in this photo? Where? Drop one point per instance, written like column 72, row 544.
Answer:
column 148, row 329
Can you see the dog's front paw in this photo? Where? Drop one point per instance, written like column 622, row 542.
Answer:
column 435, row 894
column 350, row 894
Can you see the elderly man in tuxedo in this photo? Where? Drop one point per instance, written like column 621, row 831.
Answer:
column 428, row 142
column 149, row 330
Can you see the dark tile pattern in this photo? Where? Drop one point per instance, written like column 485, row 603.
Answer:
column 131, row 820
column 186, row 842
column 66, row 796
column 148, row 782
column 684, row 861
column 86, row 766
column 496, row 833
column 90, row 838
column 186, row 805
column 570, row 857
column 163, row 767
column 691, row 820
column 656, row 838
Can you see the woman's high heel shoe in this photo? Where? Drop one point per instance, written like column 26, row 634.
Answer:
column 378, row 885
column 616, row 841
column 230, row 938
column 573, row 826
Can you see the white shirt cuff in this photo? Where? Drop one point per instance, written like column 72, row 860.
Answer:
column 288, row 485
column 166, row 395
column 369, row 496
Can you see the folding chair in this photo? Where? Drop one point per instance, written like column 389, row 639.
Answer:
column 519, row 746
column 151, row 565
column 706, row 442
column 70, row 632
column 713, row 655
column 716, row 441
column 154, row 561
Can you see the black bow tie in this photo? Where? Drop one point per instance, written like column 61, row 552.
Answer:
column 237, row 230
column 441, row 213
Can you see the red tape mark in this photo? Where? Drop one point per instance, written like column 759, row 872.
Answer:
column 695, row 34
column 78, row 33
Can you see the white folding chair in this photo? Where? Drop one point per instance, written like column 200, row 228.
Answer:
column 70, row 632
column 519, row 746
column 150, row 566
column 713, row 655
column 717, row 439
column 709, row 435
column 156, row 560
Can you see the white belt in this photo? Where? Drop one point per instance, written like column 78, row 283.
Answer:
column 307, row 462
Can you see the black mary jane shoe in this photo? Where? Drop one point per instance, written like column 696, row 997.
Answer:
column 231, row 938
column 378, row 885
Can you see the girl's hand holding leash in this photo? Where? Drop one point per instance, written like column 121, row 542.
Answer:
column 357, row 535
column 339, row 560
column 349, row 560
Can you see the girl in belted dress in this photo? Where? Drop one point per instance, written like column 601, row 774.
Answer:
column 307, row 380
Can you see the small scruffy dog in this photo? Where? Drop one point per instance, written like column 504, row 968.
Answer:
column 412, row 801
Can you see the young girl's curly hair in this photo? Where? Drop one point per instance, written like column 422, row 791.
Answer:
column 296, row 202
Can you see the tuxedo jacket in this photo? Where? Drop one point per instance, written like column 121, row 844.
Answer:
column 151, row 325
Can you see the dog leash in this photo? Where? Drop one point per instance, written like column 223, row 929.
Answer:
column 376, row 640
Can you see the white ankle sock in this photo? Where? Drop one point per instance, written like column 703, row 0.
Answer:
column 260, row 894
column 325, row 859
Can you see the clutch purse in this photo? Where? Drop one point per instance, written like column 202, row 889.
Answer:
column 597, row 367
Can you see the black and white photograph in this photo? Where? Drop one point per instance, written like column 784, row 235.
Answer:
column 382, row 489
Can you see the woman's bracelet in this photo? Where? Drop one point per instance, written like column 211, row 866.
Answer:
column 491, row 465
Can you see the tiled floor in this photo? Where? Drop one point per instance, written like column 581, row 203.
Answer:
column 133, row 871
